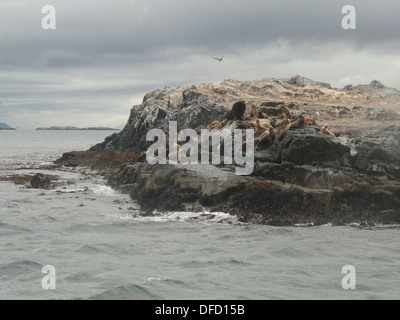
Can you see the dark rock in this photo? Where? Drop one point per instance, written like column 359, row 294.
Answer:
column 67, row 156
column 314, row 149
column 71, row 165
column 41, row 181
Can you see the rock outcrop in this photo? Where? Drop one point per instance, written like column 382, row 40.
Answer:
column 306, row 177
column 41, row 181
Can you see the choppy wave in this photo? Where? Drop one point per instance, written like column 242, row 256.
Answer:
column 7, row 229
column 20, row 268
column 155, row 279
column 126, row 292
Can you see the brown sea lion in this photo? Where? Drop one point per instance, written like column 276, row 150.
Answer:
column 266, row 139
column 286, row 113
column 244, row 125
column 310, row 121
column 261, row 126
column 275, row 121
column 216, row 125
column 253, row 111
column 262, row 115
column 300, row 122
column 282, row 128
column 325, row 130
column 252, row 144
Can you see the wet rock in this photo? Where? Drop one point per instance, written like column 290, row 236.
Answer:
column 41, row 181
column 71, row 165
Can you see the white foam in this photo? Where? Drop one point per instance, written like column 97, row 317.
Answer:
column 302, row 225
column 153, row 279
column 204, row 216
column 70, row 190
column 104, row 190
column 47, row 163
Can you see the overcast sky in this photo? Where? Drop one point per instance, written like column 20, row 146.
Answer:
column 105, row 55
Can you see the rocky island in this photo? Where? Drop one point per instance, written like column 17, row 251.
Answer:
column 5, row 126
column 351, row 175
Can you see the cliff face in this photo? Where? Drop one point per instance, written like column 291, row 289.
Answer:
column 307, row 177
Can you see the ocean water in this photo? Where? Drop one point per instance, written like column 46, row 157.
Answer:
column 100, row 248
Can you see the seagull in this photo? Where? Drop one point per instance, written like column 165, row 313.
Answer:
column 219, row 59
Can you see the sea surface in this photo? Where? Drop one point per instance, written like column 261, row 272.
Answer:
column 100, row 248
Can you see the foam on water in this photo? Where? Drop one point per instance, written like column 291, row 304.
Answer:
column 184, row 216
column 104, row 190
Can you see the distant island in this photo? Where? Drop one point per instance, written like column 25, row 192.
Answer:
column 76, row 128
column 5, row 126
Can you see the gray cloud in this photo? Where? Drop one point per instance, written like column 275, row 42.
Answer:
column 106, row 55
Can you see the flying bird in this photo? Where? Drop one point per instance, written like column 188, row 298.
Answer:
column 219, row 59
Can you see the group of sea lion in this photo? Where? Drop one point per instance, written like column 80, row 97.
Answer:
column 270, row 129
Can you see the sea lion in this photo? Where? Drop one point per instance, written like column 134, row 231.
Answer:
column 310, row 121
column 216, row 125
column 324, row 129
column 244, row 125
column 286, row 113
column 261, row 126
column 282, row 128
column 262, row 115
column 251, row 143
column 300, row 122
column 230, row 115
column 278, row 121
column 275, row 121
column 239, row 107
column 266, row 139
column 253, row 111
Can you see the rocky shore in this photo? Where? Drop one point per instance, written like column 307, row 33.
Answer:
column 305, row 178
